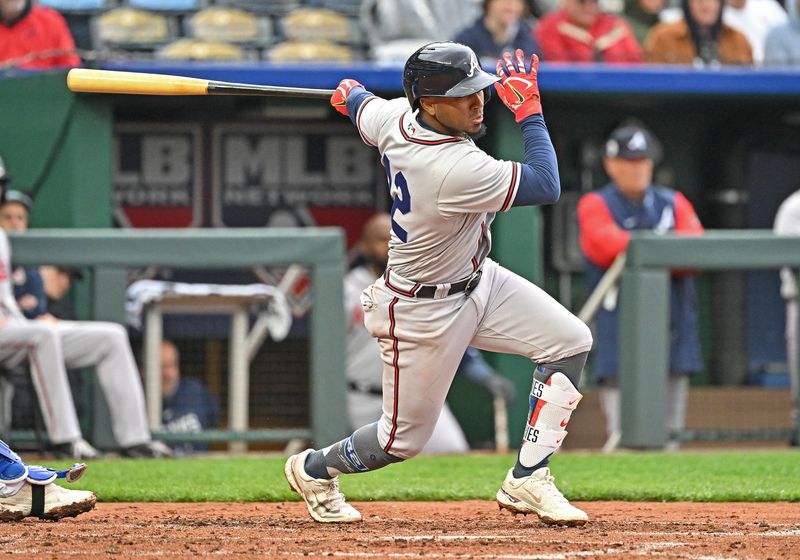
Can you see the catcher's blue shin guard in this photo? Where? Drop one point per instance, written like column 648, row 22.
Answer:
column 14, row 472
column 554, row 396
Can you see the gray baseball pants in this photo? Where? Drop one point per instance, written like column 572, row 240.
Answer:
column 50, row 348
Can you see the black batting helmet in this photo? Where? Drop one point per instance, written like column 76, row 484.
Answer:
column 444, row 69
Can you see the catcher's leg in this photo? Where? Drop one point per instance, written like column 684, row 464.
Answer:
column 29, row 490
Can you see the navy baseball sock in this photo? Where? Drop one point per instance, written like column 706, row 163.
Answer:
column 360, row 452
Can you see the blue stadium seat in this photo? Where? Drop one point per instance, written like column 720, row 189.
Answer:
column 270, row 7
column 78, row 5
column 167, row 5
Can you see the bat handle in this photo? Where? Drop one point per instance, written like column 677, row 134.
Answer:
column 500, row 425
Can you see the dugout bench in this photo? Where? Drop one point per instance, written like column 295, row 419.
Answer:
column 110, row 253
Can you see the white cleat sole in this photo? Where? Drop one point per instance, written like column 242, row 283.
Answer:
column 504, row 501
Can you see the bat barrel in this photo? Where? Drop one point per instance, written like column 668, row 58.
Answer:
column 110, row 81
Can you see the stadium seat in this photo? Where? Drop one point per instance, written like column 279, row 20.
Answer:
column 78, row 5
column 230, row 25
column 195, row 49
column 269, row 7
column 304, row 51
column 168, row 5
column 132, row 28
column 348, row 7
column 317, row 24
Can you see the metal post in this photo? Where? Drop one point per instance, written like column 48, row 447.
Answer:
column 153, row 333
column 238, row 401
column 328, row 391
column 643, row 356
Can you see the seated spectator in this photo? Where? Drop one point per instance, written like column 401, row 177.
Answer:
column 642, row 15
column 57, row 282
column 502, row 28
column 28, row 287
column 700, row 38
column 581, row 32
column 187, row 406
column 34, row 37
column 397, row 28
column 782, row 47
column 50, row 346
column 755, row 19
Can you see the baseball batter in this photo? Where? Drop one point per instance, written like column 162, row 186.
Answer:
column 440, row 293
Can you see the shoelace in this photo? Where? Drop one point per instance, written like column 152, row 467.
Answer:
column 332, row 495
column 553, row 490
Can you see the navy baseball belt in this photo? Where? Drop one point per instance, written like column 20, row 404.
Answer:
column 412, row 289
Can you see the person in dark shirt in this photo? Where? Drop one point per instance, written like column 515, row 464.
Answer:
column 27, row 282
column 187, row 406
column 501, row 28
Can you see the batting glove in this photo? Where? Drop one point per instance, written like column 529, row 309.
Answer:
column 339, row 97
column 518, row 88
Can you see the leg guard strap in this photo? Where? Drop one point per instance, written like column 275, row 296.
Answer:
column 545, row 437
column 555, row 395
column 44, row 475
column 37, row 501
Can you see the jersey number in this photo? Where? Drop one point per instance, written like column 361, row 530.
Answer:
column 401, row 198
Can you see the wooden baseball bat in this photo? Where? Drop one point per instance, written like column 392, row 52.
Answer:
column 138, row 83
column 500, row 425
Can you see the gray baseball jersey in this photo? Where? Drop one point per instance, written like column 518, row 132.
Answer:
column 50, row 346
column 445, row 193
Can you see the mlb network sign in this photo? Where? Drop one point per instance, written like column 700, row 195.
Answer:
column 260, row 170
column 243, row 174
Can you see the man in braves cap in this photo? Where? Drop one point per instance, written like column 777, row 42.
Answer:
column 606, row 218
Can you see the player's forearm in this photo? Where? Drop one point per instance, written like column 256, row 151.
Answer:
column 539, row 183
column 355, row 99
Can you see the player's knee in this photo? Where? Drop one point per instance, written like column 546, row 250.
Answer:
column 578, row 336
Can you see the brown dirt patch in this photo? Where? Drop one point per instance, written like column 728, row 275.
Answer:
column 460, row 530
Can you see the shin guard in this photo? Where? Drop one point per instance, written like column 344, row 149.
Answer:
column 553, row 398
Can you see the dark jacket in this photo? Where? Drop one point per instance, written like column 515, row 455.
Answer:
column 481, row 40
column 606, row 218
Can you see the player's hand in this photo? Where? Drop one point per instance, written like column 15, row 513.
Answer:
column 518, row 87
column 499, row 386
column 339, row 97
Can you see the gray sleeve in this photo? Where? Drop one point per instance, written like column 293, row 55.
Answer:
column 8, row 305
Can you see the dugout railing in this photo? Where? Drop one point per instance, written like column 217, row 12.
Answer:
column 644, row 319
column 111, row 253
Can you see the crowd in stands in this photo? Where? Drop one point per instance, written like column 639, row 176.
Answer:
column 702, row 33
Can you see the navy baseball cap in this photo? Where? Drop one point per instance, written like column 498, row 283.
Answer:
column 632, row 142
column 20, row 198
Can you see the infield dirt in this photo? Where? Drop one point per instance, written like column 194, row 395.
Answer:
column 472, row 529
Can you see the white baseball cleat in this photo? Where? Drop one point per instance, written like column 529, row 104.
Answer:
column 49, row 501
column 538, row 494
column 322, row 497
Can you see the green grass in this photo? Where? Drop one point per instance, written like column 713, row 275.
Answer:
column 704, row 476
